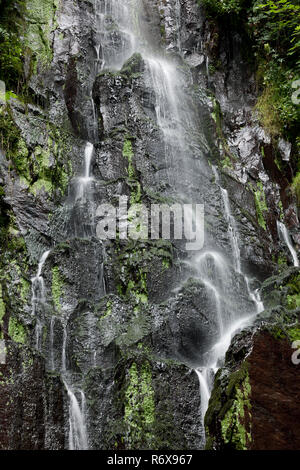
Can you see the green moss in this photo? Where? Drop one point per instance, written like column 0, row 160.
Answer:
column 229, row 412
column 108, row 310
column 41, row 185
column 233, row 425
column 39, row 27
column 24, row 290
column 296, row 187
column 43, row 168
column 57, row 288
column 139, row 412
column 222, row 7
column 294, row 333
column 260, row 205
column 16, row 331
column 293, row 297
column 132, row 68
column 218, row 117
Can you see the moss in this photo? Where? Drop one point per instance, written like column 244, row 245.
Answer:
column 16, row 331
column 218, row 117
column 229, row 412
column 294, row 333
column 41, row 185
column 260, row 205
column 133, row 67
column 296, row 187
column 108, row 310
column 41, row 168
column 222, row 7
column 39, row 27
column 293, row 297
column 57, row 288
column 24, row 290
column 139, row 412
column 128, row 154
column 267, row 111
column 233, row 427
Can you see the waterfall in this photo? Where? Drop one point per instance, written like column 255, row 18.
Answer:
column 285, row 237
column 218, row 351
column 178, row 123
column 83, row 183
column 38, row 297
column 77, row 427
column 116, row 45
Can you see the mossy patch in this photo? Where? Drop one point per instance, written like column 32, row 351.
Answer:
column 139, row 411
column 57, row 288
column 260, row 205
column 16, row 331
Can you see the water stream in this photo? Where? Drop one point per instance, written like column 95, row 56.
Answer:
column 38, row 297
column 284, row 236
column 178, row 123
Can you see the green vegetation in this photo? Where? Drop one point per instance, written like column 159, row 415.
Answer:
column 222, row 7
column 272, row 29
column 132, row 267
column 57, row 287
column 261, row 205
column 296, row 187
column 139, row 414
column 11, row 45
column 16, row 331
column 39, row 168
column 233, row 424
column 25, row 28
column 230, row 407
column 293, row 297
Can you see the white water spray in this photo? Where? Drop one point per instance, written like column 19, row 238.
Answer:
column 77, row 427
column 285, row 237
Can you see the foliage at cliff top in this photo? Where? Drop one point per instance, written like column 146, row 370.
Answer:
column 25, row 27
column 274, row 30
column 11, row 48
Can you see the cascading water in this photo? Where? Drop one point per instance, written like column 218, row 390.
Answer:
column 218, row 351
column 38, row 296
column 78, row 439
column 285, row 238
column 183, row 145
column 118, row 35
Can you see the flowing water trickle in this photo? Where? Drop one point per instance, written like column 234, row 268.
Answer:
column 38, row 297
column 284, row 236
column 83, row 183
column 52, row 322
column 218, row 351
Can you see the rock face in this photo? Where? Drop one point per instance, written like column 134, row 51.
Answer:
column 115, row 328
column 254, row 400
